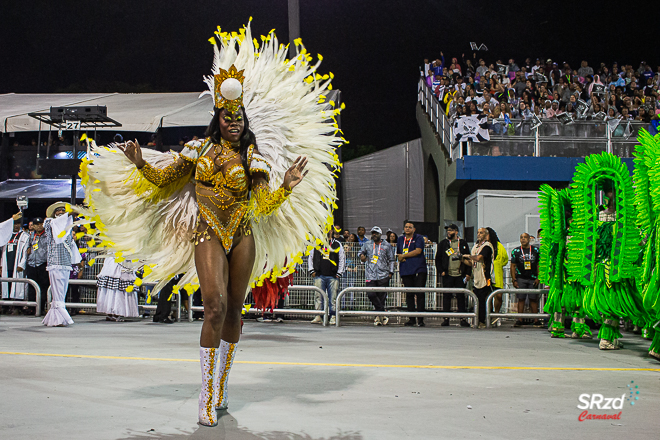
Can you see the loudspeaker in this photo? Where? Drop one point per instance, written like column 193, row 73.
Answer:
column 78, row 113
column 58, row 167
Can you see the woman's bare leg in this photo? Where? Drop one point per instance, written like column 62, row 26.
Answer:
column 241, row 260
column 213, row 271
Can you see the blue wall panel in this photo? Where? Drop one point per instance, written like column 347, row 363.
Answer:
column 539, row 169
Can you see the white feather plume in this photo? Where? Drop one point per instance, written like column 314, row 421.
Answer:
column 289, row 116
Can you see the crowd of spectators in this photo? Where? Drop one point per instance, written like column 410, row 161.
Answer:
column 480, row 268
column 544, row 88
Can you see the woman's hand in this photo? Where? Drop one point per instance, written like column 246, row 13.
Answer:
column 16, row 217
column 133, row 153
column 294, row 175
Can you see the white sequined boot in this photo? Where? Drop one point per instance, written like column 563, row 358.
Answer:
column 226, row 359
column 208, row 359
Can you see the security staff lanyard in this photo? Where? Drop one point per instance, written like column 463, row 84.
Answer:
column 36, row 239
column 406, row 244
column 528, row 264
column 374, row 258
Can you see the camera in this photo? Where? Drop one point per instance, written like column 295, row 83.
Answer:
column 22, row 202
column 456, row 256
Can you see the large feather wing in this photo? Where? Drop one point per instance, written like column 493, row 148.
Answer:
column 139, row 229
column 290, row 117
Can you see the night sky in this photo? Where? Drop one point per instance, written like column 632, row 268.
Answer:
column 374, row 48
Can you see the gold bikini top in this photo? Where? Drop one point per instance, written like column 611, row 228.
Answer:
column 232, row 178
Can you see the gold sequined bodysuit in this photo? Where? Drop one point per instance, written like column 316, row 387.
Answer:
column 221, row 187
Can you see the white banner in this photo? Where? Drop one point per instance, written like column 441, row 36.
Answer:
column 471, row 128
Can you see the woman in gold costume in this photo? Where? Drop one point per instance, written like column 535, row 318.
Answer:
column 229, row 167
column 232, row 210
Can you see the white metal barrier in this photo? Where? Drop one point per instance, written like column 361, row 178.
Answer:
column 93, row 305
column 490, row 298
column 339, row 313
column 36, row 304
column 325, row 312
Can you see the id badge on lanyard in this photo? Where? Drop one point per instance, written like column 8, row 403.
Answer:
column 326, row 253
column 374, row 258
column 406, row 245
column 527, row 263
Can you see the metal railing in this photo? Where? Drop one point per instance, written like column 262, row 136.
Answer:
column 490, row 298
column 434, row 109
column 339, row 312
column 291, row 311
column 93, row 305
column 36, row 304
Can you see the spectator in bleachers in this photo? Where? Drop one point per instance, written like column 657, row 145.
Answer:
column 524, row 275
column 482, row 68
column 345, row 234
column 326, row 265
column 412, row 269
column 453, row 273
column 360, row 234
column 378, row 258
column 352, row 238
column 585, row 70
column 481, row 260
column 487, row 98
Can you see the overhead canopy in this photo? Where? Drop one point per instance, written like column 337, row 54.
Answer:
column 39, row 189
column 135, row 111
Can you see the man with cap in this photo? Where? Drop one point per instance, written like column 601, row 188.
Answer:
column 62, row 253
column 454, row 274
column 378, row 258
column 326, row 266
column 412, row 269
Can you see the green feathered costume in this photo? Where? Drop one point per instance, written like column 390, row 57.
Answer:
column 565, row 295
column 605, row 245
column 647, row 201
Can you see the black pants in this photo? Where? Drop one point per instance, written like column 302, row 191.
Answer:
column 40, row 275
column 482, row 294
column 456, row 283
column 378, row 298
column 164, row 306
column 416, row 280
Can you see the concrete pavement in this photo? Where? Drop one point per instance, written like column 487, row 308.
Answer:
column 139, row 380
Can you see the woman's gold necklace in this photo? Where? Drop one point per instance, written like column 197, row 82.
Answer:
column 225, row 148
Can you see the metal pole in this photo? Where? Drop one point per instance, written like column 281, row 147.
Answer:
column 474, row 315
column 294, row 26
column 36, row 165
column 326, row 305
column 490, row 298
column 178, row 307
column 37, row 289
column 537, row 143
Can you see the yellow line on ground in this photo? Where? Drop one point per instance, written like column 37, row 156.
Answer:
column 320, row 364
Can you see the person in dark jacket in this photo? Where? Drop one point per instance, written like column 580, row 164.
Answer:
column 454, row 274
column 326, row 265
